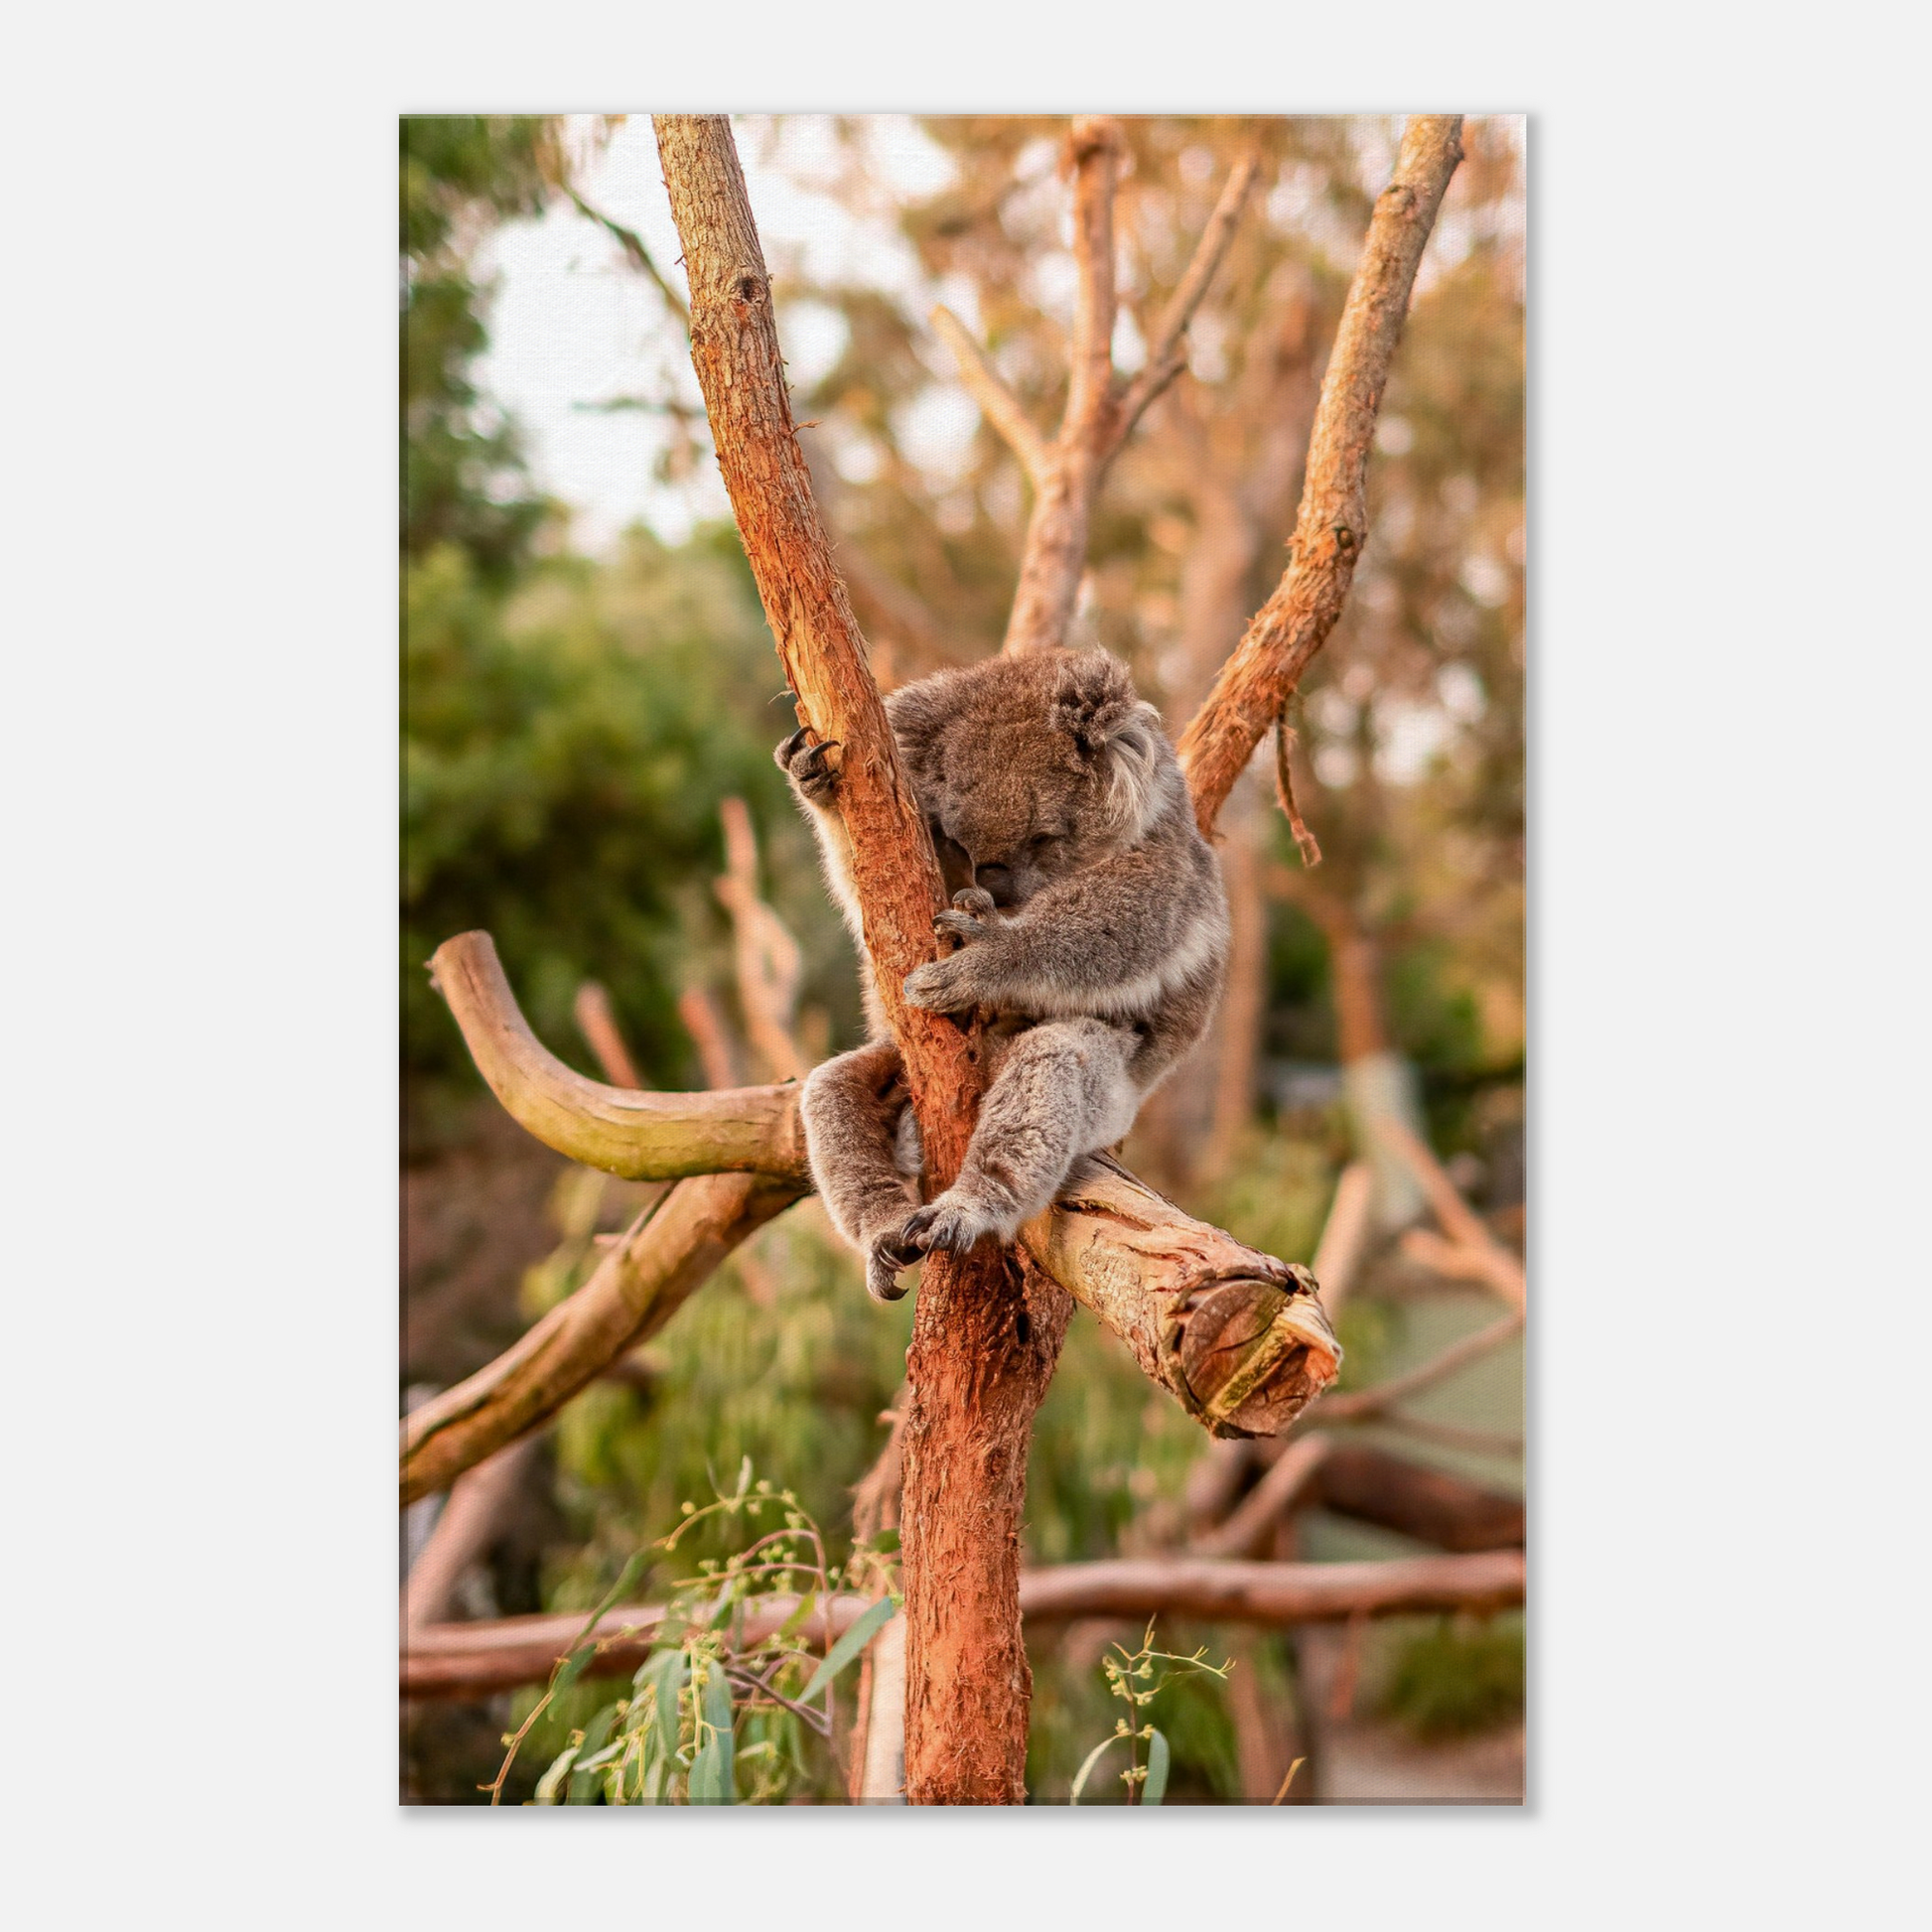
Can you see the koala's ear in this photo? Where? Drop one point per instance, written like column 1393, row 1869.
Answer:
column 1117, row 733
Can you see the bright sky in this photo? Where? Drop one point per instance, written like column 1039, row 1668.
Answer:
column 573, row 324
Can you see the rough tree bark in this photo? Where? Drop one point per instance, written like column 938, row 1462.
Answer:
column 984, row 1341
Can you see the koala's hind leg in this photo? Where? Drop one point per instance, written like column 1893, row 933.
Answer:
column 1063, row 1091
column 857, row 1141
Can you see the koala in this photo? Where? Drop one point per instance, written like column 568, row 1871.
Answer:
column 1092, row 931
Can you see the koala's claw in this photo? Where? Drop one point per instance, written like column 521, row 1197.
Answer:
column 942, row 1227
column 971, row 916
column 806, row 764
column 891, row 1255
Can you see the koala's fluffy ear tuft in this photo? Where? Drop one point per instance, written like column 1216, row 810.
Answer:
column 1114, row 731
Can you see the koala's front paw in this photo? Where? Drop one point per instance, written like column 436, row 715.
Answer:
column 971, row 916
column 946, row 985
column 948, row 1226
column 806, row 765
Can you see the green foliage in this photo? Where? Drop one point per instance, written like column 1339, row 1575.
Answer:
column 564, row 756
column 1459, row 1678
column 712, row 1720
column 464, row 481
column 1132, row 1677
column 797, row 1386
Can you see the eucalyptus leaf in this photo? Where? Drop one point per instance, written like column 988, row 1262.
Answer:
column 711, row 1771
column 1155, row 1787
column 590, row 1754
column 1081, row 1775
column 848, row 1646
column 552, row 1780
column 664, row 1673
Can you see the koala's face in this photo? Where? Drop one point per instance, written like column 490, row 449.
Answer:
column 1032, row 768
column 1014, row 817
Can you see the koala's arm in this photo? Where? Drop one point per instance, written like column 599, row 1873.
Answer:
column 1111, row 940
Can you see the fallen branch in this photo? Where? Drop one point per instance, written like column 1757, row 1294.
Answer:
column 636, row 1287
column 1332, row 524
column 1374, row 1486
column 468, row 1660
column 1272, row 1592
column 638, row 1135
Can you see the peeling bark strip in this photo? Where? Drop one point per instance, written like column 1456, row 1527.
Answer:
column 983, row 1345
column 637, row 1287
column 635, row 1135
column 1333, row 525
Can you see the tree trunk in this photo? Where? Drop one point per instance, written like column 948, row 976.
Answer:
column 983, row 1349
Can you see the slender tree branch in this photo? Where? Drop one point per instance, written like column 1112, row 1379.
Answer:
column 1471, row 1251
column 767, row 956
column 1344, row 1234
column 1163, row 357
column 717, row 1055
column 1094, row 147
column 636, row 254
column 1295, row 1474
column 636, row 1287
column 1363, row 1405
column 998, row 404
column 463, row 1534
column 601, row 1033
column 1332, row 524
column 638, row 1135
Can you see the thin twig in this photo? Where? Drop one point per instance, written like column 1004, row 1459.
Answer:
column 636, row 254
column 1362, row 1404
column 998, row 404
column 1163, row 360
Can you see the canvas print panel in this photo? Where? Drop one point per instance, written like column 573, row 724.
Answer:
column 962, row 968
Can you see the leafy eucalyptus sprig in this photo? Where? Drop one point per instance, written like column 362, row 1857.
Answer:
column 720, row 1708
column 1133, row 1678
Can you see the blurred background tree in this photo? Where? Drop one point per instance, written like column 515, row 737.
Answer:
column 573, row 719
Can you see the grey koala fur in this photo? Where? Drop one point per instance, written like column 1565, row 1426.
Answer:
column 1093, row 930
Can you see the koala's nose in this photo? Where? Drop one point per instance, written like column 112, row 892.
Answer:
column 997, row 879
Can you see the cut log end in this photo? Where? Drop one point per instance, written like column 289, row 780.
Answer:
column 1254, row 1355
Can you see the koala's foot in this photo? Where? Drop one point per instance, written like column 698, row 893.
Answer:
column 889, row 1255
column 806, row 765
